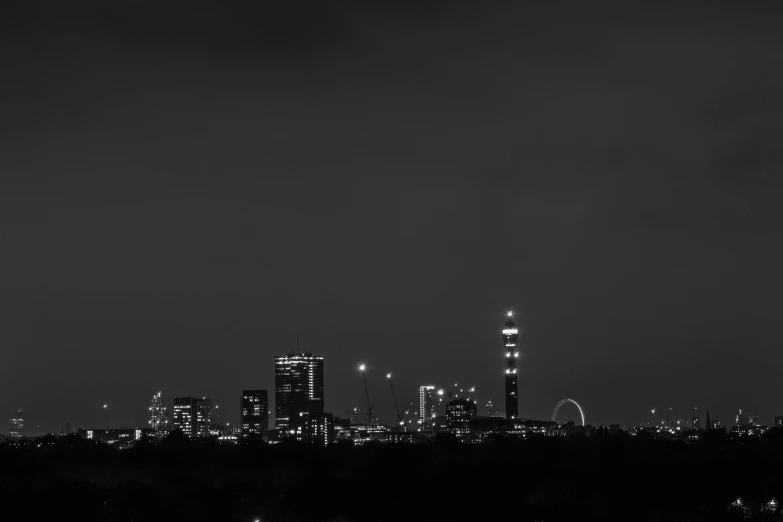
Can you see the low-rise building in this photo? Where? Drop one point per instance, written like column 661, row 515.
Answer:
column 121, row 438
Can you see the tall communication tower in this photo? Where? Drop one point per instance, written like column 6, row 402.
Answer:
column 510, row 335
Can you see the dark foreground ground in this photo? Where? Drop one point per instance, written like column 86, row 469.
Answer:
column 552, row 479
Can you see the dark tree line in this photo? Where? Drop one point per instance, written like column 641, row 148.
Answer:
column 601, row 477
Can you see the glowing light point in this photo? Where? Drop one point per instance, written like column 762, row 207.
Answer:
column 388, row 376
column 362, row 367
column 510, row 313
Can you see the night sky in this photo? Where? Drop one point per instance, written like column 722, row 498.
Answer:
column 183, row 189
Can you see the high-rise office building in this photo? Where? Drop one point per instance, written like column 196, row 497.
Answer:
column 695, row 423
column 779, row 421
column 510, row 335
column 427, row 403
column 159, row 421
column 299, row 387
column 459, row 413
column 17, row 424
column 313, row 427
column 193, row 416
column 254, row 409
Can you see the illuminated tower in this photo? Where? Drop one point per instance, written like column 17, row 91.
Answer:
column 158, row 419
column 510, row 334
column 427, row 404
column 299, row 387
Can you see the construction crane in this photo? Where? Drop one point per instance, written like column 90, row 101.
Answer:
column 362, row 370
column 394, row 396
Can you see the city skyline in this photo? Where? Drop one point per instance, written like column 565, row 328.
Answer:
column 180, row 195
column 277, row 261
column 300, row 386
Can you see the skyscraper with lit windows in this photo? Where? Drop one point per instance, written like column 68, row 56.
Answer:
column 459, row 413
column 255, row 413
column 510, row 335
column 299, row 387
column 427, row 403
column 193, row 416
column 159, row 421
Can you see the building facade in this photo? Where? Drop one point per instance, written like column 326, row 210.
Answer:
column 427, row 403
column 193, row 416
column 459, row 413
column 313, row 427
column 159, row 421
column 486, row 429
column 362, row 434
column 254, row 409
column 299, row 387
column 510, row 336
column 122, row 438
